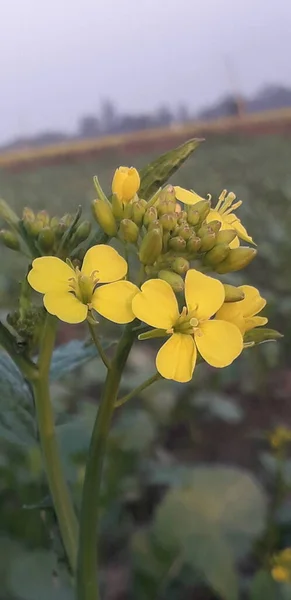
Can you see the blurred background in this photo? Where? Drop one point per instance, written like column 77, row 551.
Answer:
column 86, row 87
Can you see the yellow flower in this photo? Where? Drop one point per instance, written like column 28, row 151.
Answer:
column 243, row 313
column 125, row 183
column 218, row 342
column 279, row 437
column 281, row 570
column 69, row 293
column 222, row 212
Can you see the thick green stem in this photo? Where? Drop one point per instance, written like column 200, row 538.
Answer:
column 138, row 389
column 87, row 584
column 56, row 479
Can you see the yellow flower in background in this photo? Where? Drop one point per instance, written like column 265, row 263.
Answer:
column 69, row 293
column 218, row 342
column 125, row 183
column 281, row 571
column 222, row 212
column 279, row 437
column 244, row 313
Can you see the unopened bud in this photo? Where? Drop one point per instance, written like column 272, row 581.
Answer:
column 168, row 221
column 193, row 244
column 168, row 194
column 28, row 214
column 60, row 229
column 82, row 233
column 185, row 231
column 33, row 226
column 151, row 247
column 180, row 265
column 193, row 216
column 102, row 212
column 54, row 222
column 165, row 207
column 9, row 239
column 232, row 293
column 150, row 216
column 216, row 255
column 226, row 236
column 155, row 225
column 128, row 210
column 182, row 217
column 117, row 207
column 237, row 259
column 176, row 282
column 7, row 214
column 215, row 226
column 46, row 239
column 128, row 231
column 207, row 242
column 67, row 219
column 138, row 211
column 203, row 208
column 178, row 244
column 43, row 217
column 125, row 183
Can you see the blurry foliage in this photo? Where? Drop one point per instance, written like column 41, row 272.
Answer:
column 172, row 521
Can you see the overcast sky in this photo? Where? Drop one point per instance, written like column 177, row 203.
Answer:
column 60, row 58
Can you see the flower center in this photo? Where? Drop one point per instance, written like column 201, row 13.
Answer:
column 187, row 322
column 83, row 286
column 225, row 203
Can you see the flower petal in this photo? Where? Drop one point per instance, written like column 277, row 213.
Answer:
column 236, row 224
column 107, row 263
column 114, row 301
column 177, row 358
column 218, row 342
column 231, row 311
column 49, row 274
column 252, row 322
column 186, row 196
column 203, row 294
column 156, row 304
column 253, row 302
column 65, row 306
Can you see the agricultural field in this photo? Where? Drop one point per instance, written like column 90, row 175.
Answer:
column 212, row 431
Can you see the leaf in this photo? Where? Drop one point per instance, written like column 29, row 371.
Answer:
column 134, row 431
column 74, row 354
column 259, row 335
column 157, row 173
column 263, row 587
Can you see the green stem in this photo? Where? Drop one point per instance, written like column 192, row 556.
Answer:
column 87, row 584
column 57, row 483
column 99, row 347
column 138, row 389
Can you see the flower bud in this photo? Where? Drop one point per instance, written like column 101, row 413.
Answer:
column 67, row 219
column 125, row 183
column 226, row 236
column 150, row 216
column 33, row 226
column 165, row 207
column 207, row 242
column 178, row 244
column 168, row 221
column 237, row 259
column 151, row 247
column 102, row 212
column 60, row 229
column 180, row 265
column 232, row 293
column 168, row 194
column 9, row 239
column 193, row 216
column 28, row 214
column 217, row 254
column 193, row 244
column 138, row 211
column 155, row 225
column 215, row 226
column 43, row 217
column 128, row 231
column 46, row 239
column 117, row 207
column 182, row 217
column 176, row 282
column 54, row 222
column 128, row 210
column 185, row 231
column 7, row 214
column 203, row 208
column 82, row 233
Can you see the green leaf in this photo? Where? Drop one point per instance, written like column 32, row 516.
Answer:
column 263, row 587
column 158, row 172
column 74, row 354
column 259, row 335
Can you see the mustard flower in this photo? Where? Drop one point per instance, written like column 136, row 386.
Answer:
column 222, row 212
column 281, row 570
column 125, row 183
column 192, row 330
column 70, row 293
column 244, row 313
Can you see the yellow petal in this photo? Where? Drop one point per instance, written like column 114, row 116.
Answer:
column 218, row 342
column 105, row 262
column 252, row 322
column 114, row 301
column 236, row 224
column 49, row 274
column 186, row 196
column 130, row 185
column 231, row 311
column 203, row 294
column 118, row 179
column 253, row 302
column 65, row 306
column 156, row 304
column 177, row 358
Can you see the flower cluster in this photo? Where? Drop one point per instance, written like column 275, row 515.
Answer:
column 178, row 247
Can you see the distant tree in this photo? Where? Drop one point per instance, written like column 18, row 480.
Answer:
column 182, row 114
column 89, row 126
column 109, row 118
column 163, row 117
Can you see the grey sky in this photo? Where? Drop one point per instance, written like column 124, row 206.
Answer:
column 59, row 58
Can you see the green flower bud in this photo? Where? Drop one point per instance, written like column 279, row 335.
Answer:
column 33, row 226
column 128, row 231
column 28, row 214
column 168, row 194
column 182, row 217
column 155, row 225
column 203, row 208
column 207, row 242
column 193, row 244
column 7, row 214
column 150, row 216
column 176, row 282
column 216, row 255
column 151, row 247
column 166, row 237
column 54, row 222
column 165, row 207
column 128, row 210
column 60, row 229
column 67, row 219
column 82, row 233
column 226, row 236
column 193, row 216
column 185, row 231
column 232, row 293
column 237, row 259
column 215, row 226
column 102, row 212
column 138, row 211
column 180, row 265
column 178, row 244
column 168, row 221
column 117, row 207
column 46, row 240
column 43, row 217
column 9, row 239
